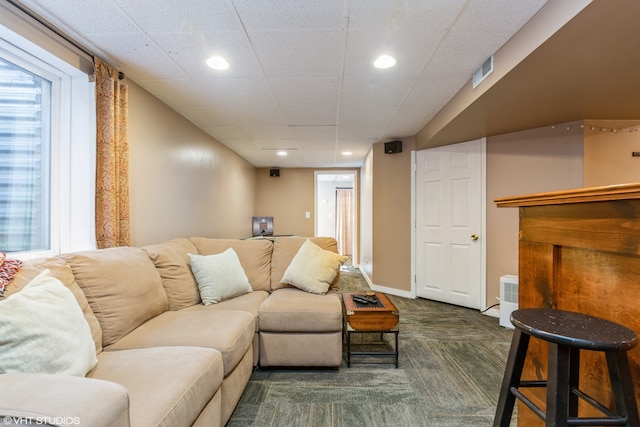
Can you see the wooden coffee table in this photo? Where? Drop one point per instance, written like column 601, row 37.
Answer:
column 379, row 315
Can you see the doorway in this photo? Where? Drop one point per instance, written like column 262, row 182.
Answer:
column 336, row 210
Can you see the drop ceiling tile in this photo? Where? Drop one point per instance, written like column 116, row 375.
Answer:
column 290, row 14
column 275, row 144
column 497, row 15
column 374, row 91
column 309, row 116
column 306, row 92
column 100, row 16
column 429, row 93
column 408, row 14
column 367, row 114
column 408, row 122
column 191, row 51
column 308, row 144
column 269, row 132
column 299, row 54
column 363, row 131
column 313, row 132
column 463, row 52
column 237, row 92
column 155, row 16
column 411, row 49
column 137, row 55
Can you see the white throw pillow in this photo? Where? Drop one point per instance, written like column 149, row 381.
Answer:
column 219, row 276
column 43, row 330
column 313, row 269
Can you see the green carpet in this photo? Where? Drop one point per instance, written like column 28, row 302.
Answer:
column 452, row 360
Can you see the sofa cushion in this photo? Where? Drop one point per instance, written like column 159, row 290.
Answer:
column 122, row 286
column 248, row 302
column 44, row 331
column 293, row 310
column 254, row 255
column 230, row 332
column 167, row 386
column 59, row 269
column 219, row 276
column 171, row 258
column 285, row 248
column 74, row 399
column 313, row 269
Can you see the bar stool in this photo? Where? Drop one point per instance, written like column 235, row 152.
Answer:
column 567, row 333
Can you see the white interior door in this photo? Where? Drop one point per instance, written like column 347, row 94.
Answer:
column 449, row 223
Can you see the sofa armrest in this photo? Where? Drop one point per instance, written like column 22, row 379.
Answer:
column 62, row 400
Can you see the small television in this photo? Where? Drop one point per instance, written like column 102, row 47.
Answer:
column 262, row 226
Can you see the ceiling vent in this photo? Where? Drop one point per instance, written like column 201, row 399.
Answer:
column 483, row 72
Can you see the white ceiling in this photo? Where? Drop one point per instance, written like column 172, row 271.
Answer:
column 301, row 75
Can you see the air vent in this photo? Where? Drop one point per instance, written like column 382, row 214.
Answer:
column 483, row 72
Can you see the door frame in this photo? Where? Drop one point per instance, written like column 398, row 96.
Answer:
column 355, row 223
column 483, row 222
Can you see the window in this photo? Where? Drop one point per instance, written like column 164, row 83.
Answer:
column 25, row 141
column 47, row 151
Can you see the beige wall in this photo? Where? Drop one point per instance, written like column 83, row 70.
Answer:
column 391, row 220
column 538, row 160
column 607, row 155
column 182, row 181
column 288, row 197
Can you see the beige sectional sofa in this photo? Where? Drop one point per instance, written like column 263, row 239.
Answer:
column 162, row 358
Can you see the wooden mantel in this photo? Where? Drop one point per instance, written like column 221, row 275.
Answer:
column 579, row 250
column 595, row 194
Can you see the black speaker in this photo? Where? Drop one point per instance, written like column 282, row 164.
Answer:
column 274, row 172
column 393, row 147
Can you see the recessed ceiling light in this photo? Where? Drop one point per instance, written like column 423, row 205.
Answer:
column 217, row 63
column 347, row 153
column 282, row 153
column 384, row 61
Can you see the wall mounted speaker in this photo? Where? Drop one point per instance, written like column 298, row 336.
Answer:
column 393, row 147
column 274, row 172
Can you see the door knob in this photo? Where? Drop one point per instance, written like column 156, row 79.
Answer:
column 474, row 237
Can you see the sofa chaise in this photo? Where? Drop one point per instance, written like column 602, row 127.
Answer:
column 159, row 343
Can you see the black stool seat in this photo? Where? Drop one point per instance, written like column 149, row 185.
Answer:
column 574, row 329
column 567, row 333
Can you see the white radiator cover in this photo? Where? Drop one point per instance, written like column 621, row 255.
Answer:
column 508, row 298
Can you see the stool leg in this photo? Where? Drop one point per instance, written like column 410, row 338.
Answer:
column 622, row 387
column 512, row 373
column 558, row 387
column 574, row 381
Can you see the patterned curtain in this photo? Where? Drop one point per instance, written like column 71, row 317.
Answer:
column 344, row 212
column 112, row 158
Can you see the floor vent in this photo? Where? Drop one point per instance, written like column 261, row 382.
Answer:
column 508, row 299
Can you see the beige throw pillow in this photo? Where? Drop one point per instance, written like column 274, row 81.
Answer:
column 43, row 330
column 219, row 276
column 313, row 268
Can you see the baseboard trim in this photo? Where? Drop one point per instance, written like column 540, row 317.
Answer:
column 493, row 312
column 386, row 290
